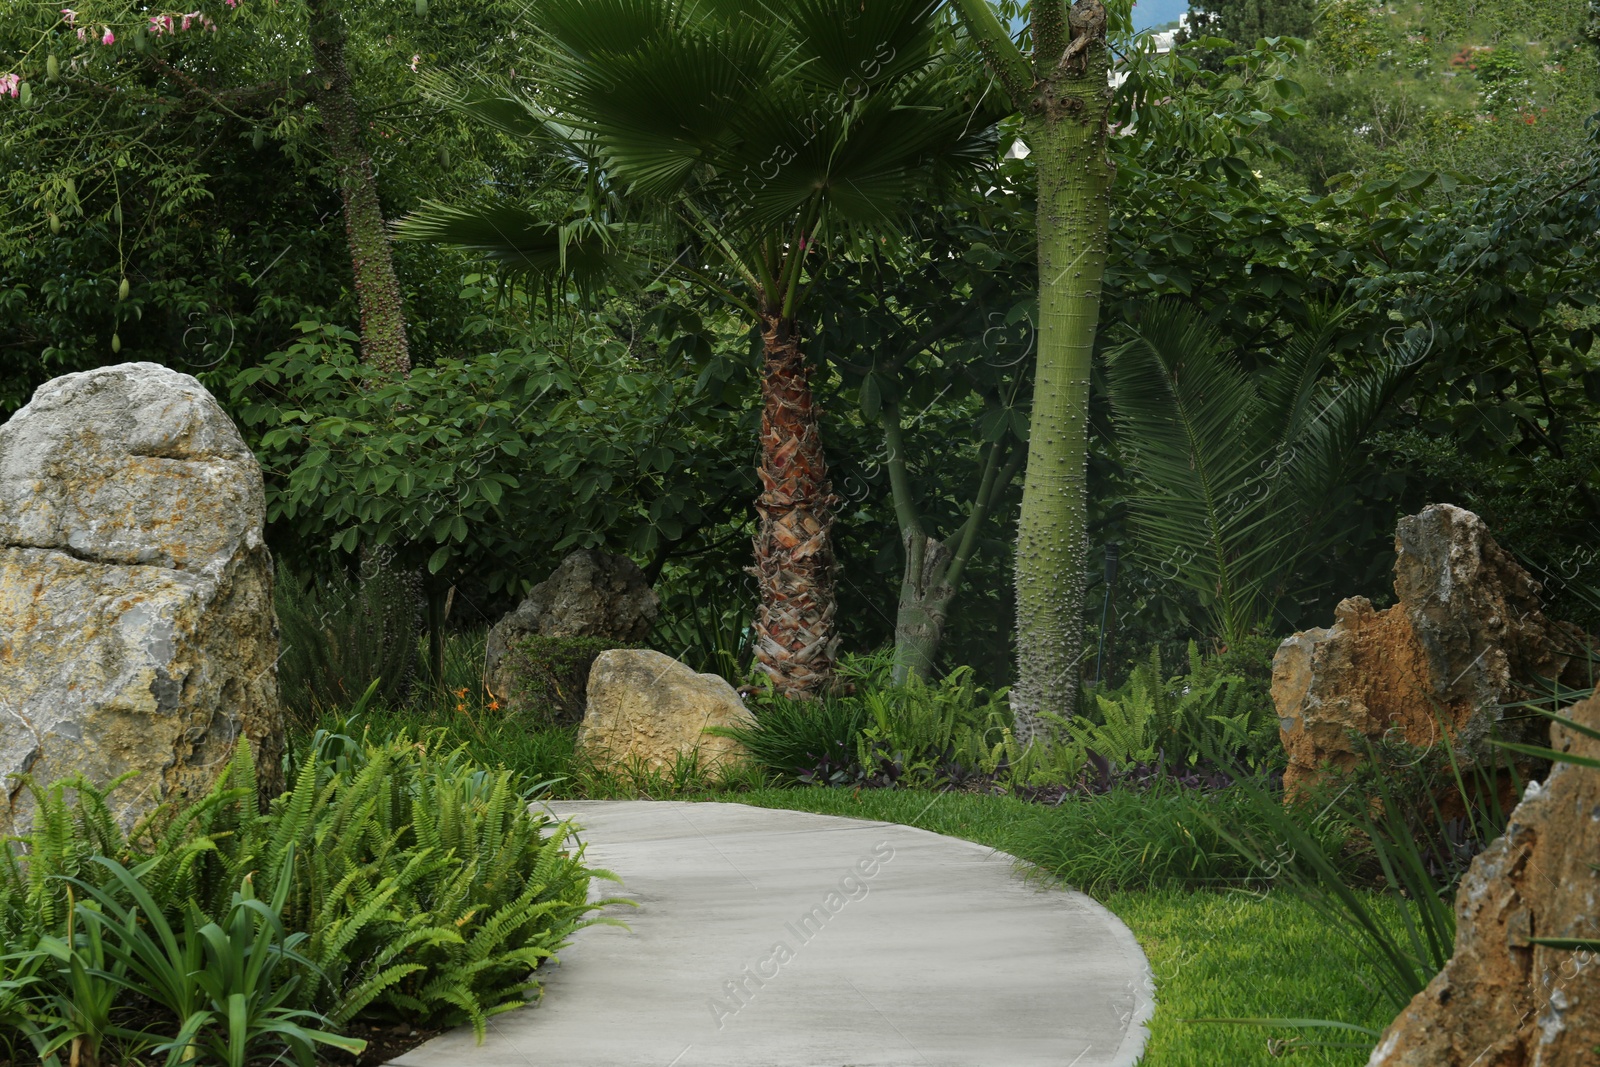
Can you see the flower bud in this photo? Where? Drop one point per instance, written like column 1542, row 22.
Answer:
column 52, row 68
column 55, row 223
column 116, row 344
column 122, row 290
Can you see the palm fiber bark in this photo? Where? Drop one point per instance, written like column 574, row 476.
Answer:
column 794, row 563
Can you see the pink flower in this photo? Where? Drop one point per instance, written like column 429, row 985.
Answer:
column 231, row 3
column 108, row 37
column 414, row 61
column 187, row 19
column 70, row 15
column 83, row 34
column 10, row 83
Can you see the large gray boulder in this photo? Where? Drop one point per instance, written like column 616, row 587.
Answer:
column 591, row 594
column 136, row 624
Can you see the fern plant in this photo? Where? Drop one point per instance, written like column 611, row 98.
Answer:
column 922, row 725
column 1152, row 717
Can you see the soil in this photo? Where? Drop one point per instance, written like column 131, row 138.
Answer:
column 385, row 1041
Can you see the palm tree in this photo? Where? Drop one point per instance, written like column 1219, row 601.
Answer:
column 765, row 136
column 1237, row 472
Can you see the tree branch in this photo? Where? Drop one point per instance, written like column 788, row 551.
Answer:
column 905, row 501
column 1005, row 59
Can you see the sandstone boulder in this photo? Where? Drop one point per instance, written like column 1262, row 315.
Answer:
column 648, row 707
column 137, row 630
column 1465, row 636
column 591, row 594
column 1503, row 1001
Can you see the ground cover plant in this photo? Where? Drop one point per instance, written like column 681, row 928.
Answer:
column 396, row 880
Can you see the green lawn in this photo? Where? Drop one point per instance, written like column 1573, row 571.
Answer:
column 1215, row 954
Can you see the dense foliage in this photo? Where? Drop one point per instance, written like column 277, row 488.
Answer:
column 394, row 880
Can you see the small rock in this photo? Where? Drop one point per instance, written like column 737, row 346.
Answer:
column 648, row 707
column 591, row 594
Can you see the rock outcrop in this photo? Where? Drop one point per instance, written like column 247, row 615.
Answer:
column 648, row 708
column 137, row 630
column 1503, row 1001
column 1465, row 635
column 591, row 594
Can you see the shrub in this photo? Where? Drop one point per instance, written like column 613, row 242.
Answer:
column 933, row 731
column 340, row 635
column 1154, row 719
column 549, row 676
column 395, row 880
column 811, row 741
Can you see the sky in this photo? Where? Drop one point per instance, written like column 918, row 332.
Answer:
column 1147, row 13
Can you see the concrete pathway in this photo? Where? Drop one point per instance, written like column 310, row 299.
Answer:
column 782, row 939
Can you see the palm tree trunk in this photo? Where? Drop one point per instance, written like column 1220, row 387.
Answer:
column 1068, row 133
column 794, row 565
column 383, row 324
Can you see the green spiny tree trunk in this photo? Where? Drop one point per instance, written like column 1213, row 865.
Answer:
column 1065, row 98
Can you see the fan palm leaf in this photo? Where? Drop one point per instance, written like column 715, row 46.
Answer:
column 765, row 131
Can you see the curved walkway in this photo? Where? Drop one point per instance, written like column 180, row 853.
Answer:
column 782, row 939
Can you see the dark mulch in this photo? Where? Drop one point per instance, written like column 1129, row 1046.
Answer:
column 385, row 1041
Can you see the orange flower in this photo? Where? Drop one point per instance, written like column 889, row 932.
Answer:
column 494, row 705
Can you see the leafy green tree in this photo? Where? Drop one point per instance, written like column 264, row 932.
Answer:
column 186, row 157
column 484, row 470
column 764, row 136
column 932, row 340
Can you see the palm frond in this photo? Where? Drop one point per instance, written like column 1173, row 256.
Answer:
column 779, row 125
column 583, row 250
column 1235, row 470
